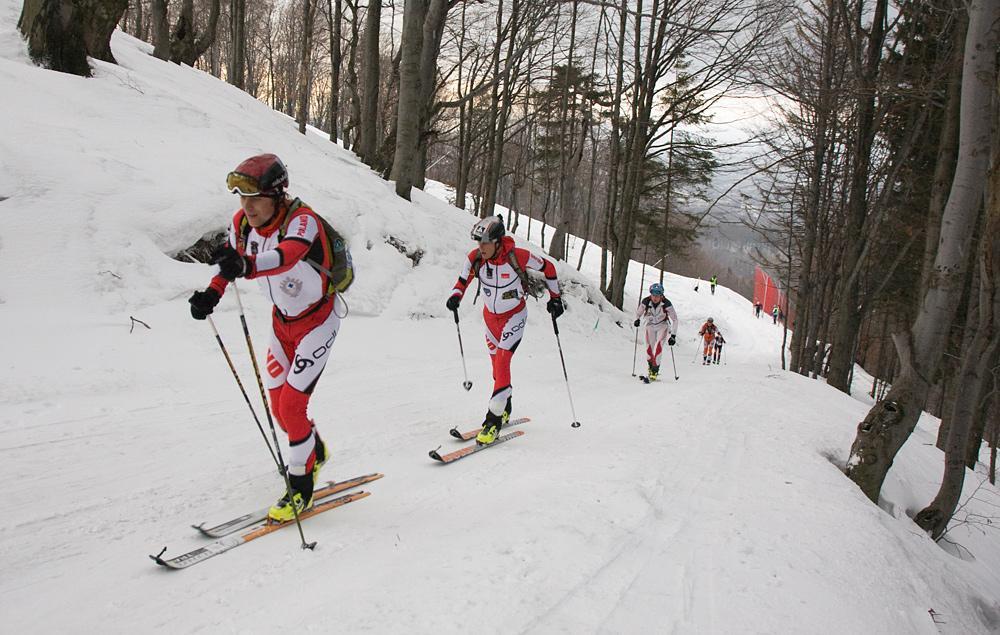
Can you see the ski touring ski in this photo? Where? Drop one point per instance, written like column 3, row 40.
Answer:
column 472, row 449
column 246, row 520
column 471, row 434
column 232, row 541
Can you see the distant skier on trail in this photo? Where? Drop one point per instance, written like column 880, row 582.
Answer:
column 714, row 281
column 661, row 323
column 500, row 267
column 284, row 245
column 707, row 332
column 718, row 341
column 757, row 308
column 774, row 313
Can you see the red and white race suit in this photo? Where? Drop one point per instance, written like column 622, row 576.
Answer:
column 504, row 309
column 661, row 322
column 304, row 324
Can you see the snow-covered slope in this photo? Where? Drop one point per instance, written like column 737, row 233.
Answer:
column 711, row 504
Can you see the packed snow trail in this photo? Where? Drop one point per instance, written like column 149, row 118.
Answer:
column 704, row 505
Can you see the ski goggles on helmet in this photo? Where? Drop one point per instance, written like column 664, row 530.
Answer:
column 242, row 184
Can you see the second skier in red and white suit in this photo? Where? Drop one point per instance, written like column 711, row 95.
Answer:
column 505, row 311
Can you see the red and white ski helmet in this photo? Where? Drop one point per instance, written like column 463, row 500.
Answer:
column 260, row 175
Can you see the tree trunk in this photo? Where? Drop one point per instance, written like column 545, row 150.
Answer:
column 634, row 150
column 161, row 29
column 588, row 212
column 352, row 135
column 461, row 177
column 61, row 35
column 993, row 430
column 489, row 191
column 423, row 27
column 433, row 31
column 610, row 235
column 186, row 44
column 946, row 373
column 305, row 65
column 140, row 23
column 944, row 166
column 889, row 423
column 569, row 157
column 370, row 81
column 972, row 383
column 819, row 145
column 236, row 72
column 977, row 432
column 335, row 16
column 567, row 198
column 408, row 122
column 848, row 313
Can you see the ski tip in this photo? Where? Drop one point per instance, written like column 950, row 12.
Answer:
column 434, row 455
column 455, row 433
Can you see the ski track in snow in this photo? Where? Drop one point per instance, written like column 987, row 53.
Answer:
column 710, row 504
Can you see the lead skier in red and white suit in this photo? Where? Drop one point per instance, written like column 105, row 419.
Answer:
column 305, row 320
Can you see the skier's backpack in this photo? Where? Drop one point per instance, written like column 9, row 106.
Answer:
column 331, row 248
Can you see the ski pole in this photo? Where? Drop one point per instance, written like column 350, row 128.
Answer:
column 555, row 327
column 243, row 390
column 236, row 376
column 642, row 283
column 461, row 349
column 635, row 350
column 674, row 362
column 270, row 421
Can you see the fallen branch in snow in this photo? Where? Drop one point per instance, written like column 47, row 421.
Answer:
column 132, row 328
column 112, row 273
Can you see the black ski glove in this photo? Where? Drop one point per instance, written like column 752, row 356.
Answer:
column 555, row 307
column 672, row 340
column 453, row 303
column 203, row 303
column 232, row 264
column 636, row 324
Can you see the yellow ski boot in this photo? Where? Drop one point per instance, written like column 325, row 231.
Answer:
column 491, row 428
column 302, row 499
